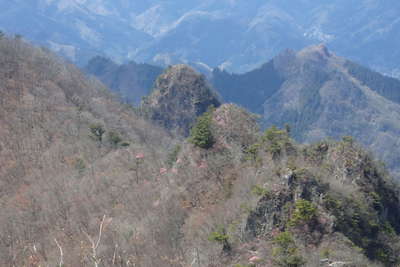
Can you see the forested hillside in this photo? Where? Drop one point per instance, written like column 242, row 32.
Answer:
column 320, row 95
column 87, row 181
column 73, row 158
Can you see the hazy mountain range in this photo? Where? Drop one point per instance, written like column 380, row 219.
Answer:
column 235, row 35
column 131, row 81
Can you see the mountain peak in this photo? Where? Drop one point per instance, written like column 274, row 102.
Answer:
column 317, row 52
column 179, row 74
column 180, row 95
column 321, row 49
column 180, row 68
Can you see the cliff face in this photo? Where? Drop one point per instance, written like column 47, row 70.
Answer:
column 179, row 96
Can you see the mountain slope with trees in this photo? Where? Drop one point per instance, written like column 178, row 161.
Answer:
column 87, row 181
column 321, row 95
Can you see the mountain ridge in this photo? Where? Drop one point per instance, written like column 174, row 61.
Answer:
column 323, row 95
column 131, row 81
column 253, row 33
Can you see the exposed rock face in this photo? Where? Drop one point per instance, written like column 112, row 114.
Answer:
column 180, row 95
column 355, row 190
column 270, row 212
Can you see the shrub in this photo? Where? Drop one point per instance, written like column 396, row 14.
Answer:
column 125, row 144
column 80, row 165
column 259, row 191
column 200, row 134
column 284, row 240
column 348, row 139
column 114, row 138
column 316, row 152
column 276, row 140
column 273, row 134
column 325, row 253
column 173, row 155
column 97, row 131
column 286, row 254
column 221, row 237
column 304, row 212
column 252, row 151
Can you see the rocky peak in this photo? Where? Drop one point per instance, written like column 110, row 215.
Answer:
column 235, row 125
column 180, row 95
column 319, row 53
column 320, row 49
column 308, row 60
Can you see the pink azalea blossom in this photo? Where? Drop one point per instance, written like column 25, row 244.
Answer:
column 140, row 156
column 163, row 170
column 254, row 259
column 174, row 170
column 156, row 203
column 275, row 232
column 202, row 165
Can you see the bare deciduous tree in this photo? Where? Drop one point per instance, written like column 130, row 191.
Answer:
column 95, row 243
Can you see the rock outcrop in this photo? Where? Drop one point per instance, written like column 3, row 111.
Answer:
column 179, row 96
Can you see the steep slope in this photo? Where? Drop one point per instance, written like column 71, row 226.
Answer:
column 71, row 157
column 84, row 181
column 262, row 200
column 179, row 96
column 131, row 81
column 322, row 95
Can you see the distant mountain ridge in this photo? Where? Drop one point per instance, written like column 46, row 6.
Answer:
column 322, row 95
column 235, row 35
column 131, row 81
